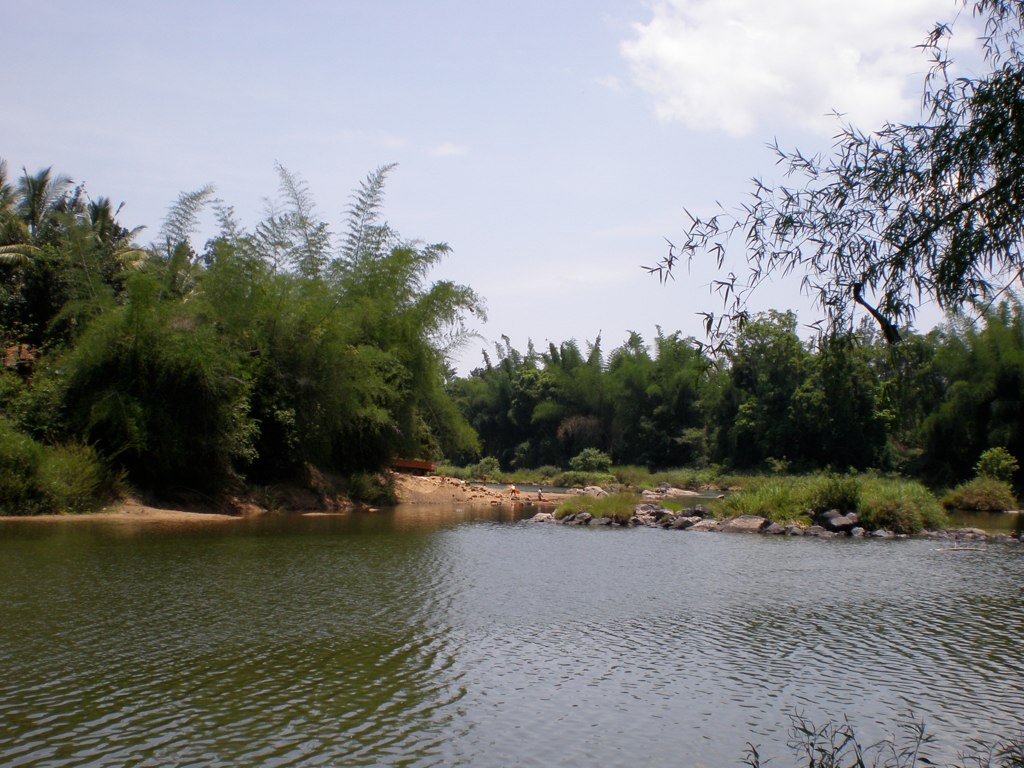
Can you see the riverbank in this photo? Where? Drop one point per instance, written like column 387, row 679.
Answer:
column 294, row 500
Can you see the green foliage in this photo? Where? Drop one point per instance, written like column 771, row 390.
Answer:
column 72, row 479
column 20, row 458
column 901, row 506
column 909, row 212
column 997, row 464
column 487, row 468
column 982, row 370
column 618, row 506
column 983, row 494
column 371, row 488
column 840, row 492
column 590, row 460
column 38, row 479
column 155, row 388
column 779, row 499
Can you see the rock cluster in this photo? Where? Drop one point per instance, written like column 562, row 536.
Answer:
column 830, row 524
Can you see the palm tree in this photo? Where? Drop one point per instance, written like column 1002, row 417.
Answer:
column 39, row 198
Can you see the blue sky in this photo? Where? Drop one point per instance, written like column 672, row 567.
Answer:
column 553, row 145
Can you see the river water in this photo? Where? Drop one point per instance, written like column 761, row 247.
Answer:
column 450, row 637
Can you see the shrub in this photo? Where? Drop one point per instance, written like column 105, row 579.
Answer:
column 20, row 457
column 983, row 494
column 902, row 506
column 996, row 464
column 37, row 479
column 371, row 488
column 487, row 468
column 590, row 460
column 71, row 478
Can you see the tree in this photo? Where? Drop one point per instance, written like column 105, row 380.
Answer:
column 910, row 212
column 753, row 413
column 982, row 365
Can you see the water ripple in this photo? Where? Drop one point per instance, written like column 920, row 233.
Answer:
column 485, row 644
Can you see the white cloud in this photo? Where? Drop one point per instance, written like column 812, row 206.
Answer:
column 739, row 65
column 449, row 150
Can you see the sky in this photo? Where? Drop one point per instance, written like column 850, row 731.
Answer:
column 552, row 144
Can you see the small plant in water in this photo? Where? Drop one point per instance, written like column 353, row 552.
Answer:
column 836, row 745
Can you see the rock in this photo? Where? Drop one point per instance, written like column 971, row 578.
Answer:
column 881, row 533
column 814, row 530
column 679, row 493
column 595, row 491
column 705, row 525
column 700, row 510
column 604, row 520
column 744, row 524
column 683, row 522
column 774, row 530
column 840, row 523
column 857, row 532
column 794, row 530
column 829, row 515
column 583, row 518
column 666, row 491
column 543, row 517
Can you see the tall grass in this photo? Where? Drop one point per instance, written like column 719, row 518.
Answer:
column 902, row 506
column 895, row 504
column 618, row 506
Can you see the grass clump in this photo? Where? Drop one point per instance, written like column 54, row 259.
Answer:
column 982, row 494
column 779, row 499
column 898, row 505
column 901, row 506
column 617, row 506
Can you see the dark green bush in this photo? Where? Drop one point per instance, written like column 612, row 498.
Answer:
column 983, row 494
column 590, row 460
column 997, row 464
column 37, row 479
column 20, row 457
column 71, row 478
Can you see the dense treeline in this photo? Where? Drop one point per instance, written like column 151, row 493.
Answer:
column 929, row 406
column 265, row 352
column 253, row 356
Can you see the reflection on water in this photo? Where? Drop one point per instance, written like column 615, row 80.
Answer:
column 461, row 636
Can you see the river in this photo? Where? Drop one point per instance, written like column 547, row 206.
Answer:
column 452, row 637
